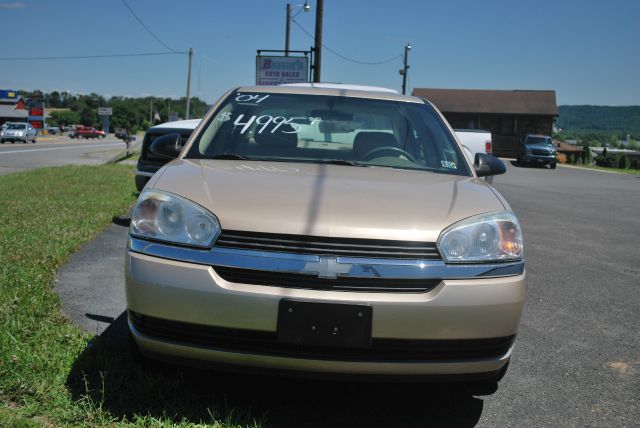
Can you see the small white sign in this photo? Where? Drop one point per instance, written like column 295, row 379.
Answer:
column 276, row 70
column 105, row 111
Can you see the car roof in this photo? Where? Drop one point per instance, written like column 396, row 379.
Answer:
column 178, row 124
column 334, row 89
column 342, row 86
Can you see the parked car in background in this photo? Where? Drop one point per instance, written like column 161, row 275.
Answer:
column 149, row 163
column 87, row 132
column 325, row 230
column 121, row 133
column 538, row 149
column 18, row 131
column 53, row 130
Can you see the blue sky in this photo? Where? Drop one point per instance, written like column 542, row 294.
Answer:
column 587, row 50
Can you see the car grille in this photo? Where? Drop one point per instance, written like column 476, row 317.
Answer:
column 348, row 247
column 312, row 282
column 262, row 342
column 541, row 152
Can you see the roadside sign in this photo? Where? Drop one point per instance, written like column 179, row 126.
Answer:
column 36, row 114
column 105, row 111
column 276, row 70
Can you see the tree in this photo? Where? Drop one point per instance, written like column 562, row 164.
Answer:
column 614, row 142
column 633, row 145
column 587, row 156
column 64, row 117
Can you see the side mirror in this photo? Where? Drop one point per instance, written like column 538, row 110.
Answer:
column 168, row 146
column 487, row 165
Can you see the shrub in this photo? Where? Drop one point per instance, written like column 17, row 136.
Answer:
column 602, row 160
column 623, row 161
column 561, row 158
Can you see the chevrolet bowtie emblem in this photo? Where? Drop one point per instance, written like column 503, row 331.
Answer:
column 327, row 267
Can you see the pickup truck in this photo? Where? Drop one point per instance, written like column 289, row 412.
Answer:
column 87, row 132
column 475, row 140
column 537, row 149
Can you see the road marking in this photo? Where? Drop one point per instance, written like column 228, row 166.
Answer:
column 58, row 148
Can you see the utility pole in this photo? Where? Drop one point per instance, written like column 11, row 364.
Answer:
column 186, row 115
column 318, row 41
column 151, row 112
column 288, row 30
column 403, row 70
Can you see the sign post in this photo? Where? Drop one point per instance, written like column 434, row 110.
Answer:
column 104, row 113
column 278, row 70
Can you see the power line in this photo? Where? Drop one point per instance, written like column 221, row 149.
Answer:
column 24, row 58
column 345, row 57
column 147, row 28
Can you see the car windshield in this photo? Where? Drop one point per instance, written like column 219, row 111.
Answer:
column 538, row 140
column 16, row 126
column 329, row 129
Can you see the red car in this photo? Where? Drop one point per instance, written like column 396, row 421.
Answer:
column 88, row 132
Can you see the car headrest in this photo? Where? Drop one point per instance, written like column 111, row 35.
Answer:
column 366, row 141
column 282, row 137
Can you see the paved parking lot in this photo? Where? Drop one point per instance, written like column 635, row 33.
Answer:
column 577, row 357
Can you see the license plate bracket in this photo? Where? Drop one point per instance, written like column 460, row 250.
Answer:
column 324, row 324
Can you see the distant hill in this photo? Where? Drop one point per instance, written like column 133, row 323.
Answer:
column 615, row 120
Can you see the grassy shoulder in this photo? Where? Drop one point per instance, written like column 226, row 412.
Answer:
column 51, row 373
column 604, row 168
column 45, row 215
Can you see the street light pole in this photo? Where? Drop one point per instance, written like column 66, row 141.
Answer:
column 405, row 68
column 288, row 31
column 189, row 85
column 305, row 7
column 318, row 41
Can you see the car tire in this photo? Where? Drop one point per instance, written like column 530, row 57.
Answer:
column 552, row 165
column 26, row 140
column 1, row 141
column 33, row 141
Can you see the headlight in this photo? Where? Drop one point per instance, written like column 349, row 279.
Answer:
column 167, row 217
column 482, row 238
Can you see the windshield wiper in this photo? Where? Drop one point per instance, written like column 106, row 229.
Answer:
column 340, row 162
column 229, row 156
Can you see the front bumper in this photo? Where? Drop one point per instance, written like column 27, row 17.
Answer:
column 13, row 138
column 540, row 158
column 186, row 311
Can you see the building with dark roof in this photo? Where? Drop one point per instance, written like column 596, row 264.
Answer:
column 13, row 108
column 508, row 114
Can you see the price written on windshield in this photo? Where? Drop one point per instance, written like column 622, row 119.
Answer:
column 266, row 121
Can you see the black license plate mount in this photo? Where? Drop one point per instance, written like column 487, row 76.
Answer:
column 338, row 325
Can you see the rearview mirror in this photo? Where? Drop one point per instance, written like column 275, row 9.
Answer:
column 487, row 165
column 168, row 146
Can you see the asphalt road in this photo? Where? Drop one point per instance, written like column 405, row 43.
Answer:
column 577, row 357
column 57, row 151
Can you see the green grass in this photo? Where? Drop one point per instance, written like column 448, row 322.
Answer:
column 605, row 168
column 53, row 374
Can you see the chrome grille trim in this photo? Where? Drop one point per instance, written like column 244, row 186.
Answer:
column 323, row 266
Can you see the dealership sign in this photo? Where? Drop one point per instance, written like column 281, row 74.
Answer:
column 276, row 70
column 36, row 114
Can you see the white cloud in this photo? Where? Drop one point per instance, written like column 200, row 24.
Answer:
column 16, row 5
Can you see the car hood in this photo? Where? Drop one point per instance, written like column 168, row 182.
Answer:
column 328, row 200
column 541, row 147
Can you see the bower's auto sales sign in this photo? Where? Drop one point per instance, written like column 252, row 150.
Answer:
column 276, row 70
